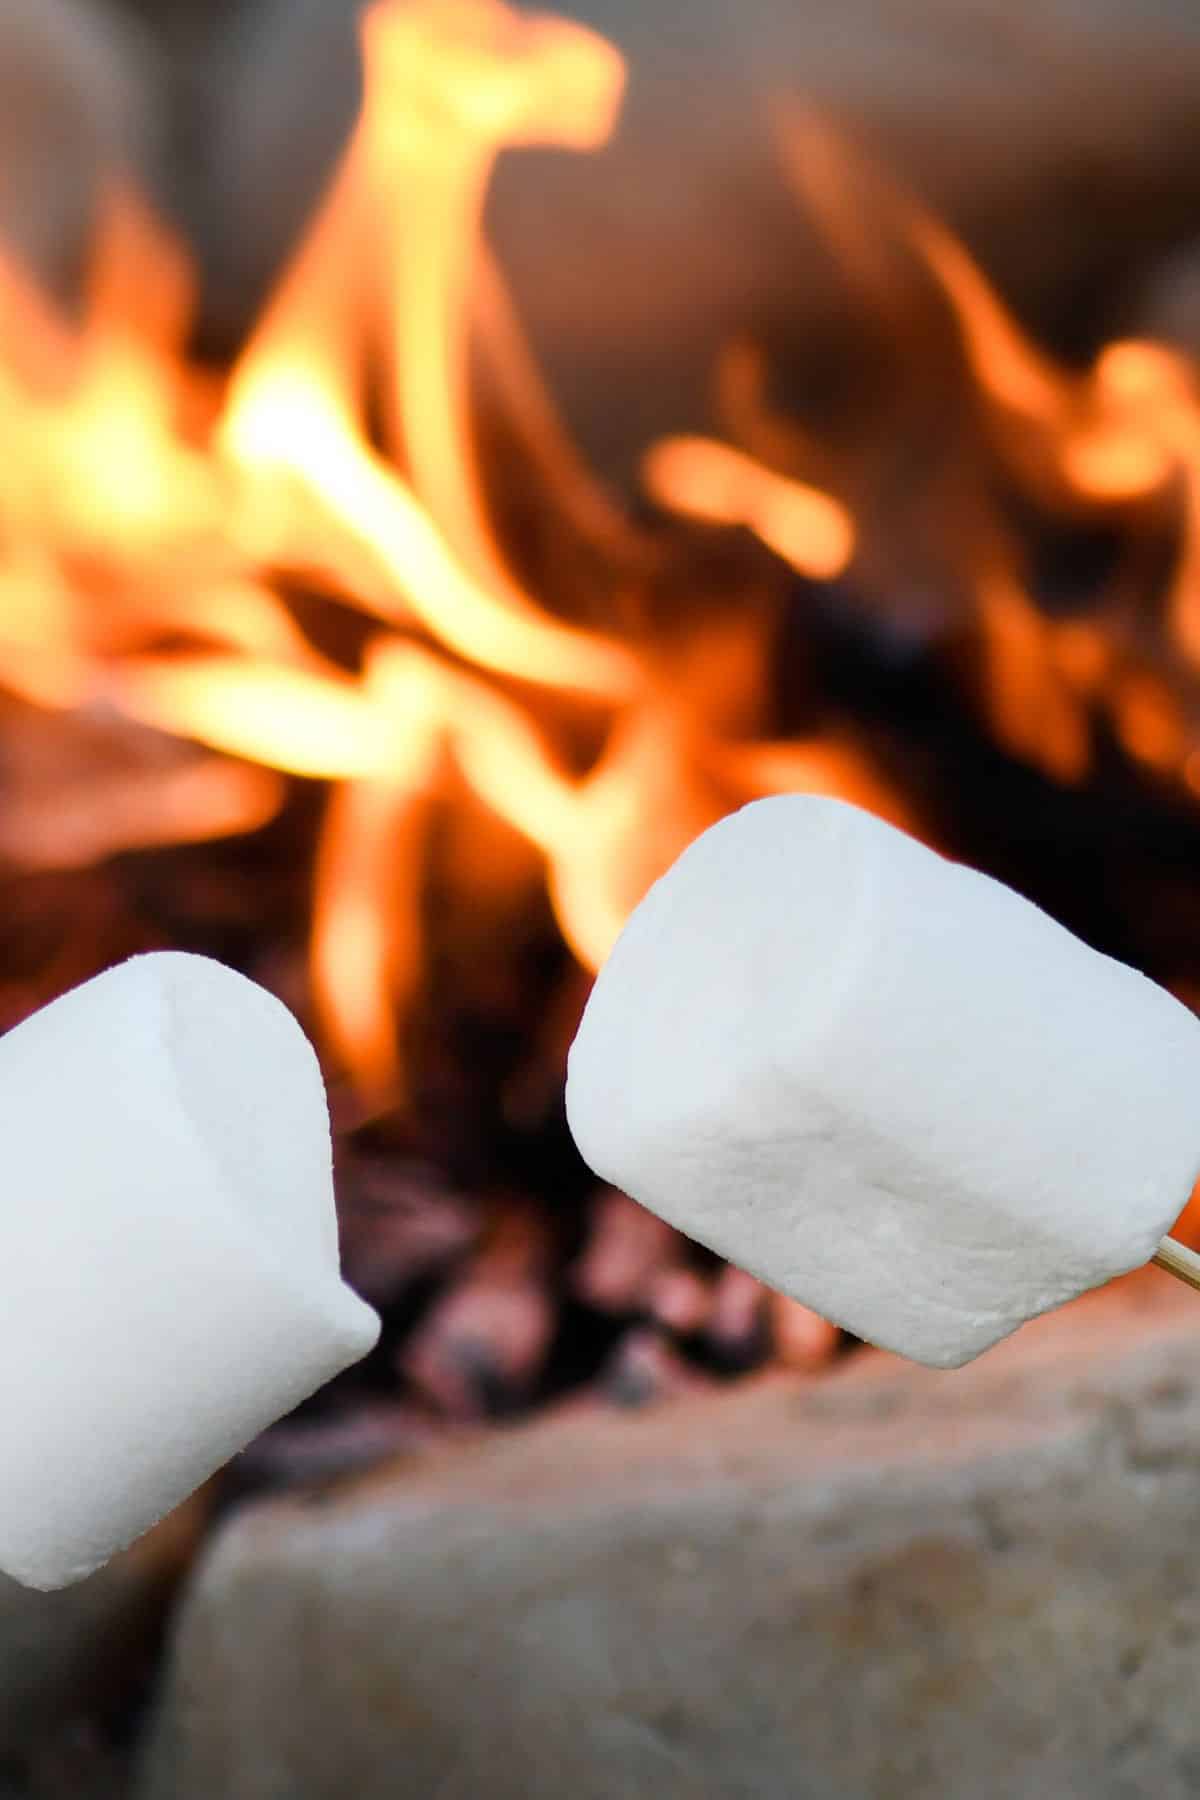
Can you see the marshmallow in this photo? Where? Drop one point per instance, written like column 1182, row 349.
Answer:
column 168, row 1252
column 883, row 1082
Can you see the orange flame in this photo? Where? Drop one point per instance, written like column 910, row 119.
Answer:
column 149, row 528
column 1121, row 433
column 807, row 528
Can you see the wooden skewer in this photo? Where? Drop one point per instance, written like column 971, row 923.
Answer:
column 1179, row 1261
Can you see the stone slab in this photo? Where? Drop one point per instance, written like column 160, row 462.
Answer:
column 883, row 1582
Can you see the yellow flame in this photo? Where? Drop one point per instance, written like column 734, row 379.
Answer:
column 321, row 726
column 450, row 84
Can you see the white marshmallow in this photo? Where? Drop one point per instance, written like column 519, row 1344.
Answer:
column 169, row 1277
column 883, row 1082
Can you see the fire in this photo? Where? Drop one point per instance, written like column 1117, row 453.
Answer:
column 152, row 522
column 127, row 525
column 713, row 481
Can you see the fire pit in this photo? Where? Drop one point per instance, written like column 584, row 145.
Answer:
column 337, row 659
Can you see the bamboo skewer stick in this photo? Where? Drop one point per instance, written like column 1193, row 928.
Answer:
column 1179, row 1261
